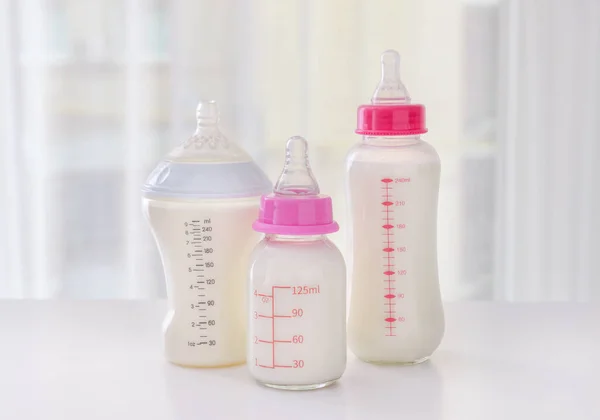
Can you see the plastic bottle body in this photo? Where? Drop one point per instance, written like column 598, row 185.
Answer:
column 204, row 247
column 297, row 306
column 396, row 314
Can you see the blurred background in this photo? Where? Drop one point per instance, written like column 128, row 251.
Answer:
column 93, row 93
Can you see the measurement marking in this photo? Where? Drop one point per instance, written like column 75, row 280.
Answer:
column 273, row 321
column 272, row 316
column 268, row 367
column 388, row 249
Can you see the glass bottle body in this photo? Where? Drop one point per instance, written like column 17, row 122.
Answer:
column 396, row 314
column 297, row 307
column 204, row 247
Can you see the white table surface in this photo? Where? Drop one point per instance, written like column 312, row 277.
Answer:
column 102, row 360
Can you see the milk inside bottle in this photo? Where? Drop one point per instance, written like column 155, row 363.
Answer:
column 396, row 314
column 201, row 201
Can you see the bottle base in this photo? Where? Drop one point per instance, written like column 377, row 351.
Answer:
column 397, row 363
column 310, row 387
column 200, row 366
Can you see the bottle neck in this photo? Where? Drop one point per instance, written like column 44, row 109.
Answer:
column 272, row 237
column 390, row 141
column 203, row 127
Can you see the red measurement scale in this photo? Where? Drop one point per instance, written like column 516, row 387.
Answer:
column 275, row 319
column 388, row 257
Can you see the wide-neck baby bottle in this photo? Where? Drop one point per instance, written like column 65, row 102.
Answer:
column 392, row 181
column 297, row 322
column 200, row 202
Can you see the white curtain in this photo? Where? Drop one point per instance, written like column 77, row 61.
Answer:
column 93, row 93
column 548, row 199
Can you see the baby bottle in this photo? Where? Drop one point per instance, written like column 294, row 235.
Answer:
column 200, row 202
column 396, row 314
column 297, row 332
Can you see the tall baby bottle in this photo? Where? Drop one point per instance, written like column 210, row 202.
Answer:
column 297, row 333
column 200, row 202
column 396, row 314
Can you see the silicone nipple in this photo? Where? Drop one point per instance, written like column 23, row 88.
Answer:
column 296, row 177
column 207, row 113
column 207, row 129
column 207, row 137
column 390, row 89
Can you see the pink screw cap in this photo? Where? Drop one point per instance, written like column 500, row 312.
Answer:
column 296, row 206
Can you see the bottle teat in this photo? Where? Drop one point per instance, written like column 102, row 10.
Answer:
column 208, row 144
column 207, row 113
column 297, row 177
column 390, row 89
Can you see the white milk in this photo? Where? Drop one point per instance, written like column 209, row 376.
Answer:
column 204, row 246
column 396, row 314
column 302, row 281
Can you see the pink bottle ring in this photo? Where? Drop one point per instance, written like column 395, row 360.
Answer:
column 391, row 120
column 287, row 215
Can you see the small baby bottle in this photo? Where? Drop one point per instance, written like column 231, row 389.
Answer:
column 392, row 181
column 297, row 332
column 200, row 202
